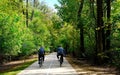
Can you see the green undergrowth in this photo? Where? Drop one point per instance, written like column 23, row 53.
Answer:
column 17, row 69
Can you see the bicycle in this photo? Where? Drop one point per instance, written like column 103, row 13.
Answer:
column 40, row 61
column 61, row 60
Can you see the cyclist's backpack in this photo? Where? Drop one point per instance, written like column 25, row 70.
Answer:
column 41, row 51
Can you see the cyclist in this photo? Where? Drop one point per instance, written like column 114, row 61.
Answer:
column 41, row 53
column 60, row 52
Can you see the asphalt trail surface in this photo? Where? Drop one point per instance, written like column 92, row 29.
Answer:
column 50, row 66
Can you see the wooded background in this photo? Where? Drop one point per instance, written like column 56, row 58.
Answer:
column 85, row 28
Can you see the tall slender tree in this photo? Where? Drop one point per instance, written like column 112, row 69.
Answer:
column 27, row 13
column 99, row 31
column 108, row 32
column 35, row 3
column 80, row 25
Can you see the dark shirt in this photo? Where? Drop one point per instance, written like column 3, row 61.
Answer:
column 60, row 50
column 41, row 50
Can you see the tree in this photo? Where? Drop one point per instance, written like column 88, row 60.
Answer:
column 70, row 11
column 80, row 26
column 27, row 13
column 34, row 4
column 99, row 31
column 108, row 32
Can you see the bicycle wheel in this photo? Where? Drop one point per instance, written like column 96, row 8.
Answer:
column 61, row 61
column 41, row 62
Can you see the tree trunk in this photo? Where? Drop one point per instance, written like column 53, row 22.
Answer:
column 32, row 14
column 109, row 26
column 99, row 32
column 27, row 13
column 80, row 25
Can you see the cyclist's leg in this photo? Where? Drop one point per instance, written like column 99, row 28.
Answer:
column 62, row 57
column 43, row 57
column 39, row 58
column 58, row 54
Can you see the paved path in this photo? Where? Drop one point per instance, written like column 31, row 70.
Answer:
column 50, row 67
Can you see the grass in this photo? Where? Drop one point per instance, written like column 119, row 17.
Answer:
column 19, row 68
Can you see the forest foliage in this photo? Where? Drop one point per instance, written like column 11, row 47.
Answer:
column 25, row 25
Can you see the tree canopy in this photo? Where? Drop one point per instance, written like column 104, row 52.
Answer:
column 85, row 28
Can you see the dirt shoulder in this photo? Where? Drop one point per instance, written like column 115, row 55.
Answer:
column 7, row 66
column 85, row 68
